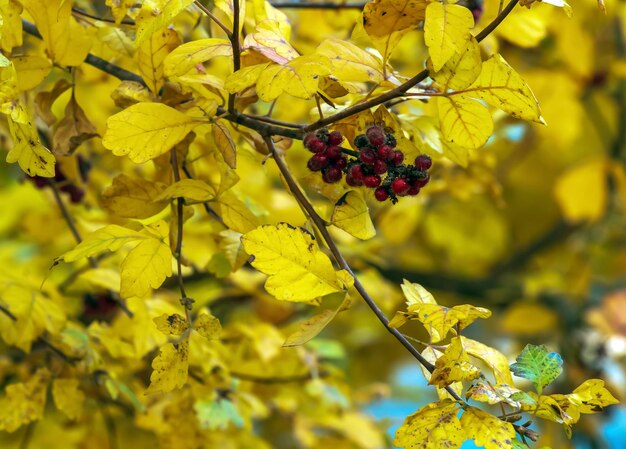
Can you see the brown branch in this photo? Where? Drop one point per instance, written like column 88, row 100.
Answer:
column 212, row 16
column 234, row 40
column 341, row 261
column 403, row 88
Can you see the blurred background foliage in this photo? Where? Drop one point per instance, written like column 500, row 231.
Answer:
column 532, row 226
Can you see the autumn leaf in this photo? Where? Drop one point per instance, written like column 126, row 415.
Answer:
column 151, row 54
column 170, row 368
column 73, row 129
column 461, row 70
column 225, row 144
column 453, row 366
column 218, row 414
column 297, row 269
column 68, row 398
column 192, row 190
column 155, row 15
column 464, row 122
column 494, row 359
column 349, row 62
column 146, row 130
column 446, row 31
column 352, row 215
column 208, row 326
column 487, row 430
column 173, row 324
column 299, row 77
column 582, row 192
column 24, row 402
column 187, row 56
column 433, row 426
column 133, row 197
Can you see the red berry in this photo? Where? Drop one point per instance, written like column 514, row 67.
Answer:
column 398, row 157
column 413, row 191
column 384, row 152
column 333, row 174
column 400, row 186
column 375, row 135
column 352, row 181
column 423, row 162
column 317, row 162
column 335, row 138
column 356, row 172
column 361, row 141
column 380, row 167
column 422, row 182
column 317, row 146
column 341, row 163
column 381, row 194
column 306, row 141
column 333, row 152
column 371, row 181
column 367, row 155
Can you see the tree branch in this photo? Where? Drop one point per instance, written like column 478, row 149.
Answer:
column 341, row 261
column 212, row 16
column 234, row 40
column 319, row 5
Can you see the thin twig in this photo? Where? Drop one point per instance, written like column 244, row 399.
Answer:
column 341, row 261
column 234, row 39
column 83, row 13
column 212, row 16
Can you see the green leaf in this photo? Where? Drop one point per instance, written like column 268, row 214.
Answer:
column 538, row 365
column 217, row 414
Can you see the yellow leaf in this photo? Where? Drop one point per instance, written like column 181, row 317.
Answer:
column 236, row 215
column 416, row 294
column 11, row 25
column 227, row 6
column 151, row 54
column 133, row 197
column 146, row 130
column 453, row 366
column 464, row 121
column 106, row 278
column 110, row 237
column 193, row 190
column 386, row 21
column 119, row 8
column 591, row 396
column 483, row 391
column 350, row 63
column 187, row 56
column 225, row 144
column 298, row 77
column 31, row 70
column 439, row 320
column 297, row 269
column 66, row 41
column 529, row 318
column 310, row 328
column 156, row 15
column 271, row 43
column 35, row 311
column 446, row 31
column 170, row 368
column 352, row 215
column 432, row 355
column 494, row 359
column 24, row 402
column 68, row 397
column 173, row 324
column 146, row 265
column 244, row 78
column 461, row 70
column 27, row 151
column 208, row 326
column 502, row 87
column 434, row 426
column 487, row 430
column 582, row 193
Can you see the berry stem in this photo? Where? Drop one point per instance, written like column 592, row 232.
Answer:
column 350, row 152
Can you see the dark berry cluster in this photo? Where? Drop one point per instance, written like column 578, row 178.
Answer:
column 328, row 157
column 65, row 185
column 377, row 165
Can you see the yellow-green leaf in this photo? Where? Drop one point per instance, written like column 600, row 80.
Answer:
column 146, row 130
column 416, row 294
column 170, row 368
column 453, row 366
column 68, row 397
column 151, row 54
column 461, row 70
column 236, row 214
column 497, row 361
column 502, row 87
column 464, row 121
column 299, row 77
column 155, row 15
column 133, row 197
column 110, row 237
column 350, row 63
column 193, row 190
column 591, row 396
column 353, row 216
column 208, row 326
column 67, row 42
column 446, row 31
column 297, row 269
column 24, row 402
column 244, row 78
column 434, row 426
column 310, row 328
column 173, row 324
column 487, row 430
column 187, row 56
